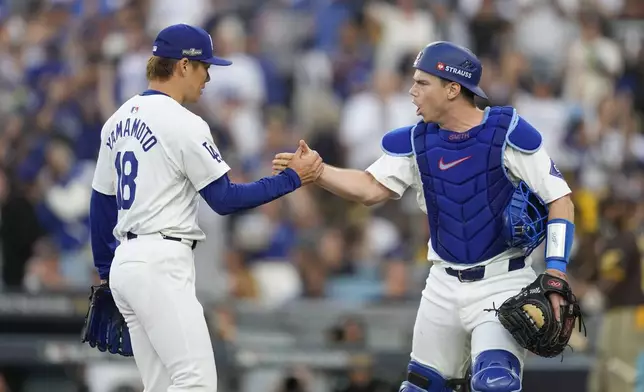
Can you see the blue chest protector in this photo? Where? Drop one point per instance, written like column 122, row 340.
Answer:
column 466, row 187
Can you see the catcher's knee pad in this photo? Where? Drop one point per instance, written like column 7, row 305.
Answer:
column 421, row 378
column 496, row 371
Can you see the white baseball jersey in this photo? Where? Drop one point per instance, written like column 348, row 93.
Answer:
column 398, row 173
column 155, row 156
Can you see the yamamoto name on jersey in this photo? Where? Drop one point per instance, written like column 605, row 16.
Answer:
column 135, row 128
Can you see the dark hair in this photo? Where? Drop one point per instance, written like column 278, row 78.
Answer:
column 467, row 94
column 161, row 68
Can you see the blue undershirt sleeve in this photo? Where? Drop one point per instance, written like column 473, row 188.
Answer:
column 103, row 215
column 226, row 197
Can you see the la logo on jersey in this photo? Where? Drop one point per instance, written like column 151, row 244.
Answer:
column 211, row 150
column 554, row 171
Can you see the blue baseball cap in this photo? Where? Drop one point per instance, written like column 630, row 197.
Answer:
column 452, row 62
column 182, row 40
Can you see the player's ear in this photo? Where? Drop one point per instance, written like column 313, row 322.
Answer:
column 453, row 89
column 183, row 66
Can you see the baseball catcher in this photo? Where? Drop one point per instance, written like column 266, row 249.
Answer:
column 492, row 195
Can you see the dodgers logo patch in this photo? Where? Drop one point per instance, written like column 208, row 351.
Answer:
column 554, row 171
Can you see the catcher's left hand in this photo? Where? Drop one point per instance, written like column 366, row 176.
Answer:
column 530, row 317
column 104, row 326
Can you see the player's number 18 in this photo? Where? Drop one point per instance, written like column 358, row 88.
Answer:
column 127, row 169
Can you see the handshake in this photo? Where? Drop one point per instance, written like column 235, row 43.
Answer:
column 305, row 162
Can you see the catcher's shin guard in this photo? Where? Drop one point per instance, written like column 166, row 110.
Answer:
column 496, row 371
column 421, row 378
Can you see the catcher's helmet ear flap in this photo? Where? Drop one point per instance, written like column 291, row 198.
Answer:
column 525, row 219
column 452, row 62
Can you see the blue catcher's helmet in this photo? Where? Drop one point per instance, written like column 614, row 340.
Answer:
column 452, row 62
column 525, row 218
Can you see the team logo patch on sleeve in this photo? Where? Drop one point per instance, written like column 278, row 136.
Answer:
column 554, row 171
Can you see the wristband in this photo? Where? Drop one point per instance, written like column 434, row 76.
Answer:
column 560, row 235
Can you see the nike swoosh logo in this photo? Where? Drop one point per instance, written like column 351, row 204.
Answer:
column 444, row 166
column 491, row 380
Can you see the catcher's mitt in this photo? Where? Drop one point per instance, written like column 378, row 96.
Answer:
column 530, row 318
column 104, row 326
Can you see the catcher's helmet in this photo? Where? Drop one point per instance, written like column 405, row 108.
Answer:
column 452, row 62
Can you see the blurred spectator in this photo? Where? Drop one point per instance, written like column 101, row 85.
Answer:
column 593, row 64
column 19, row 232
column 267, row 237
column 489, row 21
column 291, row 384
column 403, row 29
column 43, row 271
column 548, row 113
column 542, row 23
column 397, row 280
column 606, row 144
column 242, row 284
column 64, row 211
column 619, row 278
column 299, row 379
column 130, row 44
column 368, row 115
column 348, row 332
column 163, row 13
column 235, row 94
column 360, row 378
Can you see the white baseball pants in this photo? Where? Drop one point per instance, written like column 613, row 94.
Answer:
column 153, row 284
column 452, row 325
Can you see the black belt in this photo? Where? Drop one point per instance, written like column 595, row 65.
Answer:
column 131, row 236
column 477, row 273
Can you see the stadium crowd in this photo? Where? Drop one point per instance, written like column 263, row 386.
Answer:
column 335, row 73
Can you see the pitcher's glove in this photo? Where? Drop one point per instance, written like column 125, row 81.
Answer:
column 530, row 318
column 104, row 326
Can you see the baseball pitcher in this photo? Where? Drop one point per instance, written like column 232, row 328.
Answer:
column 156, row 158
column 491, row 194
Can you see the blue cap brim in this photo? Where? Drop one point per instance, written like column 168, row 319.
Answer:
column 478, row 91
column 217, row 61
